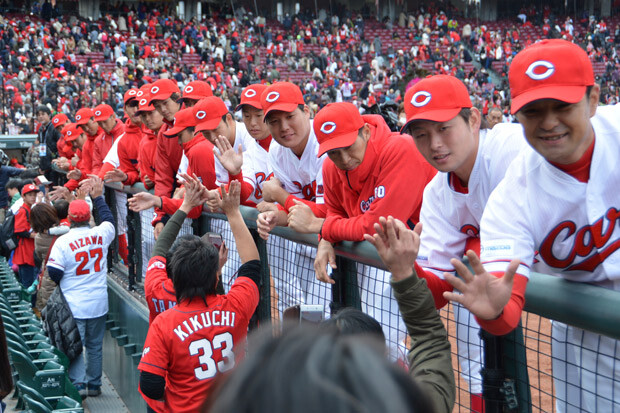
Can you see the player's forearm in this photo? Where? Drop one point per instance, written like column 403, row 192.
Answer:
column 152, row 385
column 171, row 205
column 245, row 243
column 104, row 211
column 436, row 285
column 319, row 210
column 169, row 234
column 510, row 317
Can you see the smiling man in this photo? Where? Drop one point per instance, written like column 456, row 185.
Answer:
column 555, row 212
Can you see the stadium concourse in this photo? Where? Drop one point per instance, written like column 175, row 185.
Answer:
column 139, row 97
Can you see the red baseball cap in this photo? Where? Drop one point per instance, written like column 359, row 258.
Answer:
column 79, row 211
column 196, row 90
column 130, row 94
column 103, row 112
column 436, row 98
column 162, row 89
column 59, row 119
column 29, row 188
column 251, row 96
column 550, row 69
column 183, row 119
column 208, row 113
column 143, row 103
column 284, row 96
column 337, row 126
column 83, row 116
column 72, row 131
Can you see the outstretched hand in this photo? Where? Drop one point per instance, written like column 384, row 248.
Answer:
column 195, row 192
column 143, row 201
column 230, row 199
column 397, row 245
column 483, row 294
column 230, row 159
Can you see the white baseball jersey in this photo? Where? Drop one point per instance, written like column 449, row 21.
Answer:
column 243, row 139
column 182, row 166
column 257, row 168
column 573, row 225
column 82, row 254
column 300, row 177
column 450, row 217
column 112, row 156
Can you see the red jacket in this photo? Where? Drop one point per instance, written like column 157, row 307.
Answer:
column 24, row 253
column 128, row 150
column 85, row 164
column 167, row 160
column 104, row 143
column 389, row 181
column 199, row 152
column 146, row 157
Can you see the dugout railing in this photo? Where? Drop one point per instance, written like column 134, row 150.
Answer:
column 518, row 369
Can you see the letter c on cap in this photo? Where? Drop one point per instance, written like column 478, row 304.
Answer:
column 189, row 89
column 131, row 92
column 272, row 96
column 250, row 93
column 142, row 102
column 201, row 114
column 415, row 99
column 140, row 93
column 78, row 117
column 69, row 133
column 155, row 89
column 328, row 127
column 98, row 113
column 56, row 120
column 531, row 70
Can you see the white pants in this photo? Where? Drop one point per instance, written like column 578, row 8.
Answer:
column 586, row 370
column 469, row 347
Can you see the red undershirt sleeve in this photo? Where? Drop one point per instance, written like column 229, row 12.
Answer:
column 171, row 205
column 319, row 210
column 435, row 284
column 509, row 319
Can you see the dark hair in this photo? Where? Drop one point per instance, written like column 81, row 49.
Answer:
column 14, row 183
column 301, row 107
column 193, row 267
column 62, row 208
column 465, row 113
column 351, row 321
column 175, row 96
column 44, row 108
column 312, row 370
column 43, row 217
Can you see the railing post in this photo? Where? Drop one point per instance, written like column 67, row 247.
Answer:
column 517, row 388
column 110, row 199
column 345, row 292
column 134, row 250
column 492, row 372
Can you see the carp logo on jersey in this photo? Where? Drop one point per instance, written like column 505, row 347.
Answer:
column 470, row 230
column 307, row 191
column 156, row 264
column 379, row 193
column 260, row 179
column 571, row 242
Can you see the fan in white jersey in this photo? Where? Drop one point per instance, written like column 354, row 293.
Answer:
column 539, row 216
column 78, row 263
column 446, row 130
column 297, row 188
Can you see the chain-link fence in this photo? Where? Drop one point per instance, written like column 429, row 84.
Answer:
column 542, row 366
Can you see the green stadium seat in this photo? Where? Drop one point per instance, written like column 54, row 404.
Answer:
column 49, row 381
column 37, row 403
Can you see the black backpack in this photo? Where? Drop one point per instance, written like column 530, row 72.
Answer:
column 8, row 239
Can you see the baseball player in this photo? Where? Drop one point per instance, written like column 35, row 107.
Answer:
column 297, row 187
column 112, row 127
column 556, row 212
column 446, row 130
column 78, row 263
column 367, row 171
column 204, row 334
column 194, row 91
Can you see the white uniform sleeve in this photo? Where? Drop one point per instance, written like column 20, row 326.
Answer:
column 58, row 255
column 107, row 231
column 319, row 192
column 112, row 155
column 505, row 230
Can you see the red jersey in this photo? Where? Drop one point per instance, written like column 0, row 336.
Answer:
column 199, row 152
column 389, row 181
column 167, row 160
column 128, row 150
column 24, row 253
column 103, row 145
column 85, row 164
column 158, row 288
column 146, row 157
column 193, row 342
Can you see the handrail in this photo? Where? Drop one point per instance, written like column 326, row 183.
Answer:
column 582, row 305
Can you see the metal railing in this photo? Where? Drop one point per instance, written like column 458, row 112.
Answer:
column 518, row 369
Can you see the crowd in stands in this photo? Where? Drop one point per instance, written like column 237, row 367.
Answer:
column 67, row 62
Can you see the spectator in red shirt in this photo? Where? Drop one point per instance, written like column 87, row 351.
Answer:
column 23, row 256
